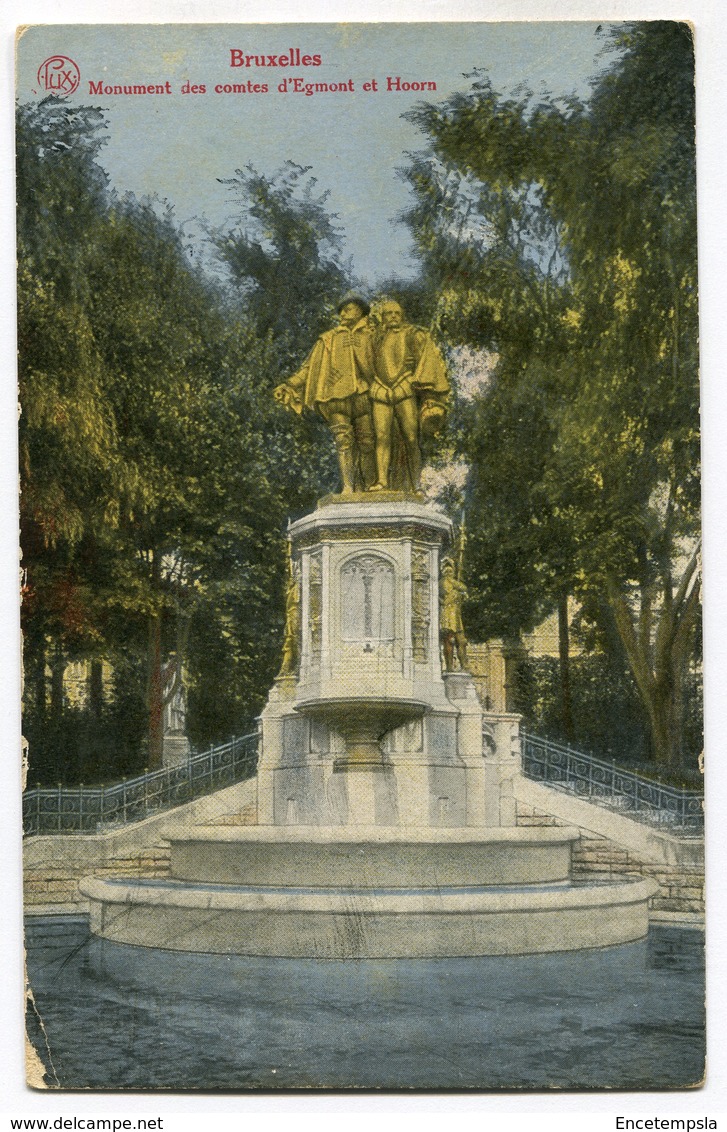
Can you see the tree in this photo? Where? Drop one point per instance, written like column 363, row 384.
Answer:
column 284, row 255
column 569, row 247
column 69, row 462
column 131, row 420
column 493, row 256
column 158, row 472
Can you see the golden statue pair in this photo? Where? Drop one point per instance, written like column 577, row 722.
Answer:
column 379, row 387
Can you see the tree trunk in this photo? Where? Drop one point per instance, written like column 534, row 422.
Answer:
column 95, row 689
column 667, row 719
column 155, row 692
column 564, row 664
column 40, row 695
column 58, row 666
column 659, row 668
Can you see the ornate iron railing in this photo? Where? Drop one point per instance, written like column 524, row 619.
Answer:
column 91, row 809
column 677, row 810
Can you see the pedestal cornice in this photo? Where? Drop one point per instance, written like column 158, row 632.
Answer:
column 371, row 517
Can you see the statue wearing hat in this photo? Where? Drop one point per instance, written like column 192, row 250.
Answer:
column 335, row 380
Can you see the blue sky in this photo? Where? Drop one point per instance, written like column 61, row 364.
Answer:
column 177, row 146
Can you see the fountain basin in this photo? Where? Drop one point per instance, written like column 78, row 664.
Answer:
column 362, row 722
column 367, row 923
column 369, row 892
column 371, row 856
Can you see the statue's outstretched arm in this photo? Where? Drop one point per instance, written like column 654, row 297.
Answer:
column 291, row 392
column 285, row 394
column 300, row 389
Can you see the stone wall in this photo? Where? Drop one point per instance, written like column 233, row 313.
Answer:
column 681, row 886
column 48, row 888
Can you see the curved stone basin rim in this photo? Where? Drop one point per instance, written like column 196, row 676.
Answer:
column 342, row 925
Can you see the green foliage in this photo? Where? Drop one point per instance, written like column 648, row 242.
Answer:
column 562, row 235
column 158, row 473
column 80, row 746
column 61, row 189
column 607, row 715
column 283, row 254
column 67, row 451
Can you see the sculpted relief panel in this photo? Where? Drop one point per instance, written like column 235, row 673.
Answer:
column 315, row 610
column 420, row 604
column 367, row 599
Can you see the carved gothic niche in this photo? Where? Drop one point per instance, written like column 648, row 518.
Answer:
column 315, row 604
column 367, row 599
column 420, row 604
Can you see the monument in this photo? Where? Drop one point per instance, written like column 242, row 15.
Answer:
column 176, row 747
column 386, row 822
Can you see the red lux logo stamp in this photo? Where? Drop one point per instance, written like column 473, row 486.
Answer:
column 59, row 75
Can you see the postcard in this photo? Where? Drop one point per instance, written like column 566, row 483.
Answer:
column 360, row 522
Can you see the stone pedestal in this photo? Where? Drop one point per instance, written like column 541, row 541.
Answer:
column 372, row 731
column 176, row 750
column 502, row 763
